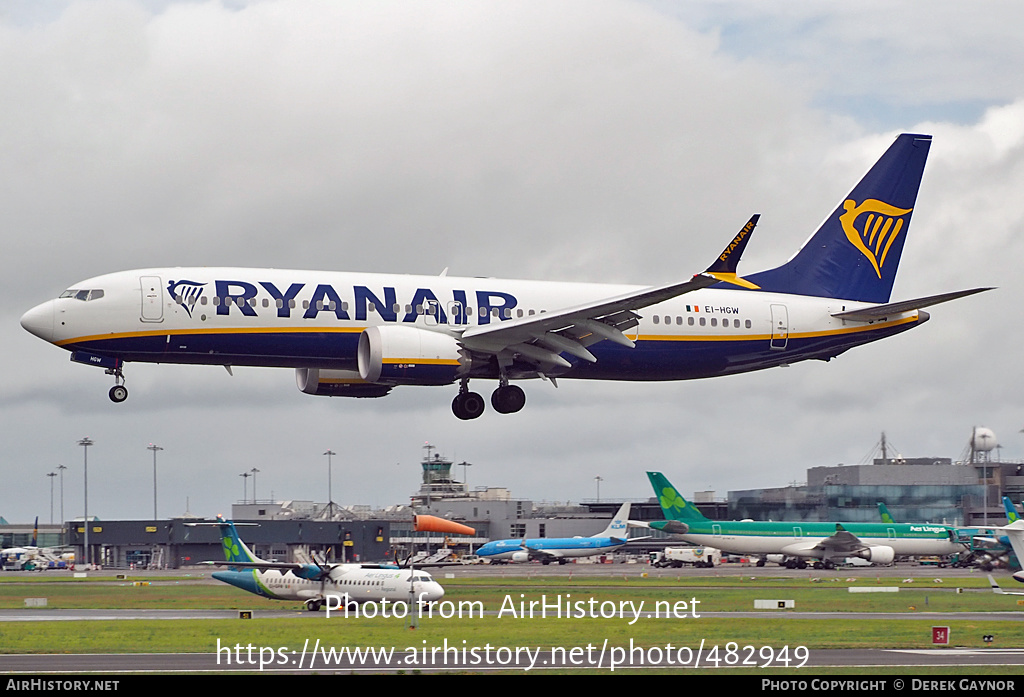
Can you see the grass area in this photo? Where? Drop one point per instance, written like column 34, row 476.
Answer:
column 715, row 594
column 148, row 636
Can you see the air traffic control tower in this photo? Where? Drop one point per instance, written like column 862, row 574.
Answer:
column 437, row 480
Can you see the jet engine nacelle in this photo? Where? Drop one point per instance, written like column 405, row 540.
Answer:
column 395, row 355
column 880, row 554
column 520, row 557
column 1019, row 576
column 337, row 383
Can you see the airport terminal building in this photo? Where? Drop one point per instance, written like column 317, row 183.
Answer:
column 935, row 490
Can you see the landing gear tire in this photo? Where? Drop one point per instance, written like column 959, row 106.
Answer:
column 118, row 393
column 468, row 405
column 508, row 399
column 313, row 605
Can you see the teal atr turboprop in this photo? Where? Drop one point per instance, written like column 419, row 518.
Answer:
column 316, row 585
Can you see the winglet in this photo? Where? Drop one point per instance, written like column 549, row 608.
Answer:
column 724, row 268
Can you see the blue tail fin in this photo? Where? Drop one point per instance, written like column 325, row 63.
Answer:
column 855, row 252
column 1011, row 510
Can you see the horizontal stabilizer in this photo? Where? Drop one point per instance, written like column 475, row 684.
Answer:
column 870, row 314
column 673, row 527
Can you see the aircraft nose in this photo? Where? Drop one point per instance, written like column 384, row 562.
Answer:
column 39, row 321
column 431, row 591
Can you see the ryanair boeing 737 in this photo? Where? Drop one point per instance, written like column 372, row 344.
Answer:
column 361, row 335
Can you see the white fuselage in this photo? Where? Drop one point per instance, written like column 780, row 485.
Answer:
column 313, row 320
column 349, row 583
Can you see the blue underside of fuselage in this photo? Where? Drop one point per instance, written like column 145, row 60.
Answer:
column 651, row 360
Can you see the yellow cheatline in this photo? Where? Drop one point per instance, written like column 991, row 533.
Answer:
column 206, row 330
column 421, row 361
column 761, row 337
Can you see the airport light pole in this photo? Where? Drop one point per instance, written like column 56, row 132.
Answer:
column 51, row 475
column 254, row 472
column 245, row 486
column 85, row 443
column 61, row 469
column 599, row 479
column 330, row 499
column 155, row 449
column 465, row 480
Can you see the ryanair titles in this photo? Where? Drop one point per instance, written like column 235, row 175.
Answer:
column 242, row 297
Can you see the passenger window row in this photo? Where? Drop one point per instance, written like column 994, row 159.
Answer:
column 702, row 321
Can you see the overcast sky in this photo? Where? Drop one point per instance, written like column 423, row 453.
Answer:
column 595, row 141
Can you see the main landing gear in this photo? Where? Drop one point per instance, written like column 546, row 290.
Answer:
column 506, row 399
column 118, row 393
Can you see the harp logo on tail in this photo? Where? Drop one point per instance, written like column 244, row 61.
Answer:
column 880, row 226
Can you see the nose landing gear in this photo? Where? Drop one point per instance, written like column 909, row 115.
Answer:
column 118, row 393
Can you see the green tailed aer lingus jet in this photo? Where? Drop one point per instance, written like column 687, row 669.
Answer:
column 796, row 543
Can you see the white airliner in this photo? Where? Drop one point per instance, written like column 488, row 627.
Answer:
column 315, row 585
column 360, row 335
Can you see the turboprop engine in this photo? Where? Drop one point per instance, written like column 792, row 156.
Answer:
column 395, row 355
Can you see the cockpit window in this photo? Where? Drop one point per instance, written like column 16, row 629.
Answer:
column 83, row 295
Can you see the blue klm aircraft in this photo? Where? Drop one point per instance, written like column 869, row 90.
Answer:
column 560, row 549
column 361, row 335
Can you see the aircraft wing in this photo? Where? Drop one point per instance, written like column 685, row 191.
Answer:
column 998, row 590
column 541, row 553
column 870, row 314
column 842, row 543
column 539, row 339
